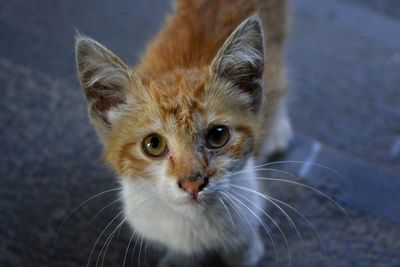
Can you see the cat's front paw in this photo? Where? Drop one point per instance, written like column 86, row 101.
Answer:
column 278, row 139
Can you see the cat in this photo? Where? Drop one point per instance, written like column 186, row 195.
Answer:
column 184, row 128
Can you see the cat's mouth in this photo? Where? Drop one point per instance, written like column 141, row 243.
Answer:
column 194, row 201
column 191, row 201
column 189, row 207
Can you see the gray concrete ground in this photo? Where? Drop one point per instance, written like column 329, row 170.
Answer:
column 343, row 63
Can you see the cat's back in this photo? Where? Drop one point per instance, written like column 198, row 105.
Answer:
column 193, row 34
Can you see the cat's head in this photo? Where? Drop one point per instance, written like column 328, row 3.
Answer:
column 178, row 136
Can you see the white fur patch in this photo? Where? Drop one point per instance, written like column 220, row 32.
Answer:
column 157, row 210
column 279, row 136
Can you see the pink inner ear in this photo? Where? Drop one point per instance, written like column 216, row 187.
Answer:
column 105, row 103
column 104, row 98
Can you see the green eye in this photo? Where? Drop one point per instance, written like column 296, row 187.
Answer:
column 217, row 137
column 155, row 145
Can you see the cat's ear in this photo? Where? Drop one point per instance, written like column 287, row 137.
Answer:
column 241, row 61
column 105, row 81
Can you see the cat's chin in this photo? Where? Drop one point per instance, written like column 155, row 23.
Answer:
column 190, row 207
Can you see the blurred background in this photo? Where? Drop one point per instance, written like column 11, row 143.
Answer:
column 343, row 63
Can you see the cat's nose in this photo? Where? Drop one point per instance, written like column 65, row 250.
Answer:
column 193, row 186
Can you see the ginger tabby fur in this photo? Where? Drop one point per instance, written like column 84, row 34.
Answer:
column 215, row 67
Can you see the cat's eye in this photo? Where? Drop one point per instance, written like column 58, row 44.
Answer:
column 154, row 145
column 217, row 137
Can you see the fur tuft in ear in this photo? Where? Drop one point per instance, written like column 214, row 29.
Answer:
column 105, row 81
column 241, row 60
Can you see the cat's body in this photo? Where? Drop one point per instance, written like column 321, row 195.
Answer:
column 183, row 128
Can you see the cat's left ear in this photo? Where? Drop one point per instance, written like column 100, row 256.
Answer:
column 240, row 61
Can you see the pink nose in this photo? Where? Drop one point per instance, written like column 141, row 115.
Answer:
column 193, row 187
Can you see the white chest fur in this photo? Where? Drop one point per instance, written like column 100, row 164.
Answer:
column 157, row 221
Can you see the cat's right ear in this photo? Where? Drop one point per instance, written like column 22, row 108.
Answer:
column 105, row 81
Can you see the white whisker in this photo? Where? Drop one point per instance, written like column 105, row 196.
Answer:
column 319, row 165
column 101, row 234
column 304, row 218
column 134, row 247
column 140, row 250
column 91, row 220
column 145, row 252
column 277, row 206
column 107, row 243
column 240, row 212
column 273, row 221
column 269, row 199
column 227, row 210
column 267, row 230
column 308, row 187
column 127, row 248
column 80, row 205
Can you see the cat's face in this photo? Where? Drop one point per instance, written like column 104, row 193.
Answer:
column 186, row 128
column 177, row 136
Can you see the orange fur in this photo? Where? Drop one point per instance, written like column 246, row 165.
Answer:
column 193, row 35
column 171, row 87
column 191, row 117
column 195, row 32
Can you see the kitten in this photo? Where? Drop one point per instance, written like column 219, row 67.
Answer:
column 182, row 130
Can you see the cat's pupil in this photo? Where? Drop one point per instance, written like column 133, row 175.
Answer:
column 216, row 134
column 154, row 142
column 154, row 145
column 217, row 137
